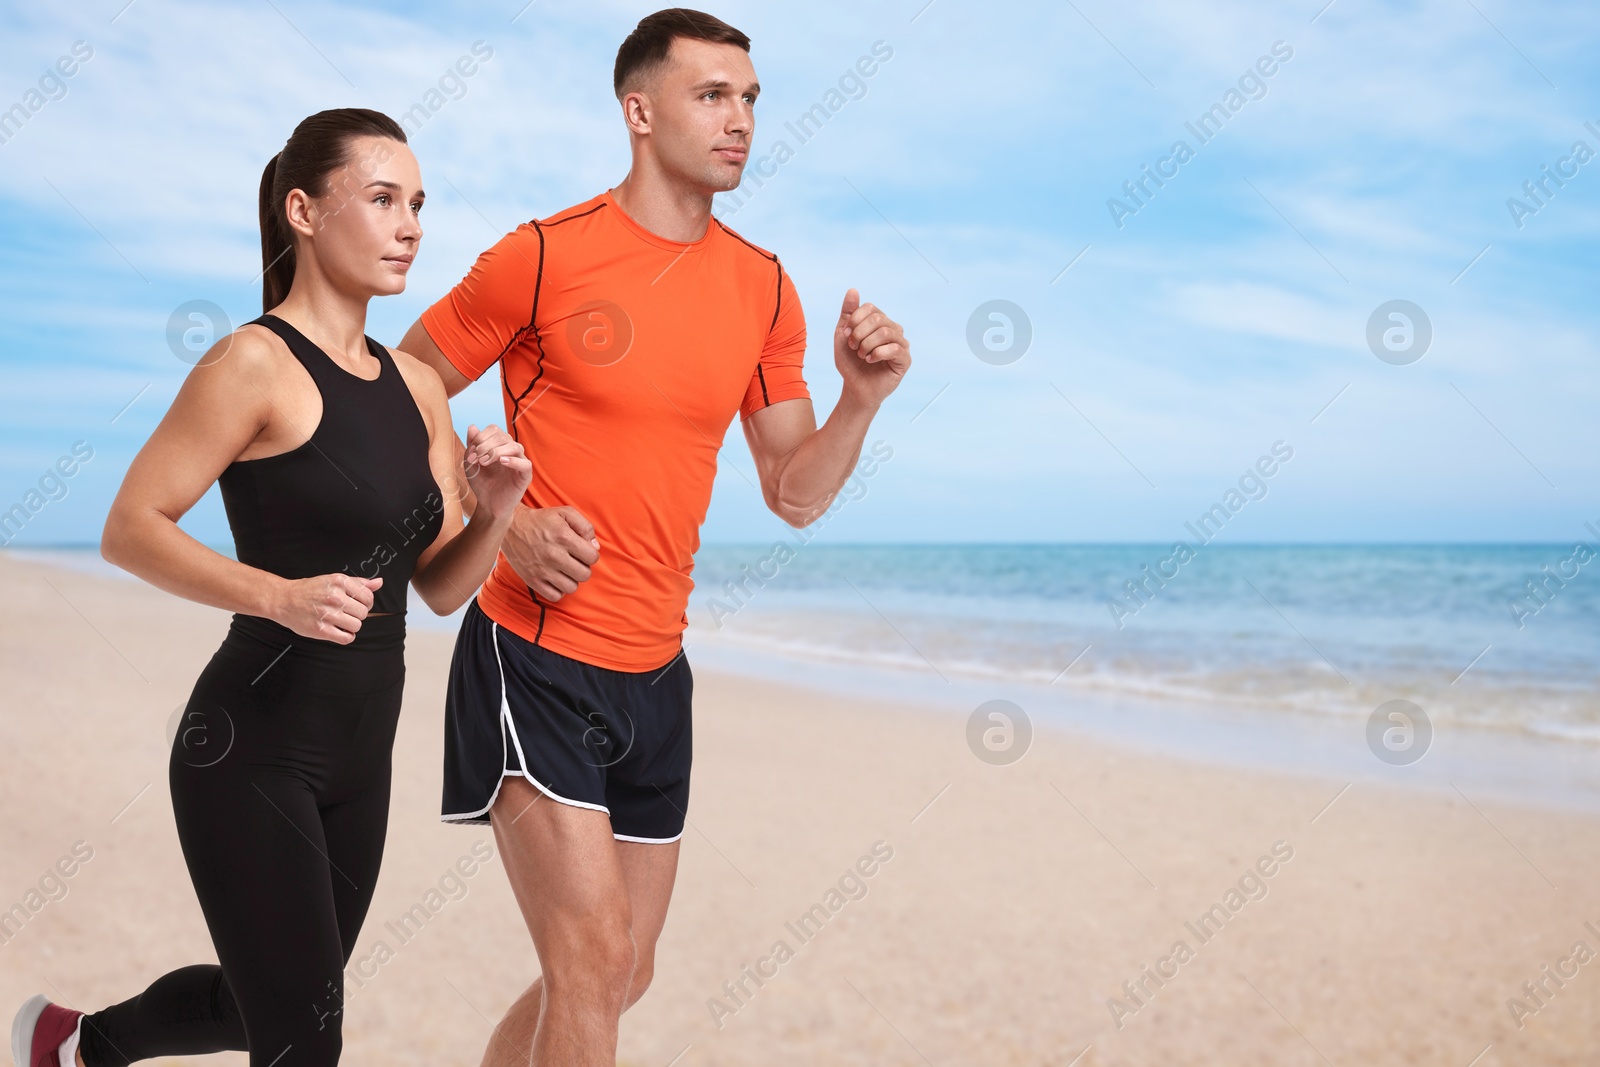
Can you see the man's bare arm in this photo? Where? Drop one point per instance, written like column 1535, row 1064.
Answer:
column 802, row 468
column 419, row 344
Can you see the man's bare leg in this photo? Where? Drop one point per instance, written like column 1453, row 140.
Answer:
column 650, row 871
column 595, row 907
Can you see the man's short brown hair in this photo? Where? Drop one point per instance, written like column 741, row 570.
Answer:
column 647, row 47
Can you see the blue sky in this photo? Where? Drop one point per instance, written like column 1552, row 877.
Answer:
column 1167, row 354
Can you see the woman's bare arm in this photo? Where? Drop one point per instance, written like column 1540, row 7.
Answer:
column 450, row 570
column 225, row 404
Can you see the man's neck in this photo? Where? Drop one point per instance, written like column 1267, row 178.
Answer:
column 664, row 208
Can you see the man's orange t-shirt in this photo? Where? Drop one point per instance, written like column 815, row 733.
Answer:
column 623, row 357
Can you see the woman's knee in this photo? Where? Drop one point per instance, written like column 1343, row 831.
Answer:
column 294, row 1020
column 317, row 1045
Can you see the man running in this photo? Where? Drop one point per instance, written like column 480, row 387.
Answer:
column 628, row 329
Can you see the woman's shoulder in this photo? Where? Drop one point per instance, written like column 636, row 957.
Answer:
column 250, row 352
column 416, row 372
column 427, row 389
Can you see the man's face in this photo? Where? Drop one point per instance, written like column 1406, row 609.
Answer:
column 702, row 112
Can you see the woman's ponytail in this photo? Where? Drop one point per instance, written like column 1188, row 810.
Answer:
column 277, row 251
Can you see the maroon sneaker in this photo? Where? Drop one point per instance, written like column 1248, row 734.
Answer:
column 38, row 1030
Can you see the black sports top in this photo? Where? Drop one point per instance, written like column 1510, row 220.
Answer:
column 358, row 497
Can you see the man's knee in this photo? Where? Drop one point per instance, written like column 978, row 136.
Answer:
column 644, row 969
column 598, row 961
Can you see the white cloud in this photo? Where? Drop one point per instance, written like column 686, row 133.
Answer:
column 990, row 140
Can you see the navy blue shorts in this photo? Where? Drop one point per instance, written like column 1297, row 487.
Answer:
column 614, row 741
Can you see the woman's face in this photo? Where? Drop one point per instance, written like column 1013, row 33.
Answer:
column 363, row 230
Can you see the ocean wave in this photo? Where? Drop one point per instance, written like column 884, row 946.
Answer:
column 1566, row 711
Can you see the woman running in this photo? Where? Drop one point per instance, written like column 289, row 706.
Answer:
column 338, row 469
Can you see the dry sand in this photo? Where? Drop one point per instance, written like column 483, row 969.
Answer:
column 1013, row 907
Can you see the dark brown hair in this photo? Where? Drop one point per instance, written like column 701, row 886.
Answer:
column 646, row 48
column 320, row 145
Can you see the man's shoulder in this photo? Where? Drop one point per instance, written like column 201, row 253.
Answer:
column 588, row 210
column 531, row 240
column 759, row 257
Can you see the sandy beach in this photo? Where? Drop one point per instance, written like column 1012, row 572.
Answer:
column 856, row 887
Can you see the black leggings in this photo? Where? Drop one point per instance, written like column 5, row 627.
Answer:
column 280, row 786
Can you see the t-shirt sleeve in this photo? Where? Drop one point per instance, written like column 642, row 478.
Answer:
column 780, row 373
column 477, row 321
